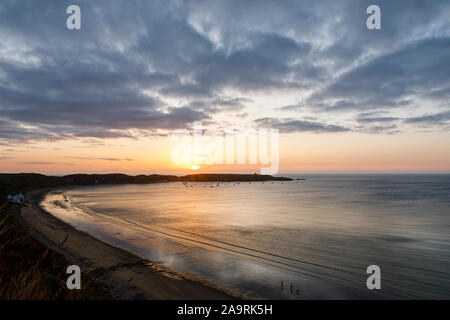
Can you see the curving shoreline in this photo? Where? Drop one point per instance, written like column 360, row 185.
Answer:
column 125, row 275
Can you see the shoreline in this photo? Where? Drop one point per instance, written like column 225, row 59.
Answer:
column 125, row 275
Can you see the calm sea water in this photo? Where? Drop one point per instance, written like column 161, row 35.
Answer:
column 293, row 240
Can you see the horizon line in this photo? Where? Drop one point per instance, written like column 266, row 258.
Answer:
column 187, row 172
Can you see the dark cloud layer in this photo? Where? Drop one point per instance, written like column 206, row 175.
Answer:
column 104, row 159
column 442, row 118
column 45, row 163
column 292, row 125
column 392, row 80
column 119, row 75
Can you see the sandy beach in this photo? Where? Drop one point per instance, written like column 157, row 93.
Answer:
column 125, row 275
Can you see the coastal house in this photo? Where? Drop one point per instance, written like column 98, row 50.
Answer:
column 17, row 199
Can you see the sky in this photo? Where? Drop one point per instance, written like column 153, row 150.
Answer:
column 107, row 97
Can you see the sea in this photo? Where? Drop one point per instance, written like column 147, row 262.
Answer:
column 301, row 239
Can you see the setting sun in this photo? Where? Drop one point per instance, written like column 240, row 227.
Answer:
column 195, row 167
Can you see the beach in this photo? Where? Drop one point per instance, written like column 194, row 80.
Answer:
column 123, row 274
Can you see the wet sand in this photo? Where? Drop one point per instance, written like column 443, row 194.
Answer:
column 125, row 275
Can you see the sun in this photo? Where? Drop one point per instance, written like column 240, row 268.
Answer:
column 195, row 167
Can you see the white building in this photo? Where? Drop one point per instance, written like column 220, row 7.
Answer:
column 17, row 199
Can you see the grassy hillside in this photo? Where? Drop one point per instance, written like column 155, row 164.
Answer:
column 30, row 271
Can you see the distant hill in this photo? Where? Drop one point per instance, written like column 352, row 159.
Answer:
column 115, row 178
column 24, row 182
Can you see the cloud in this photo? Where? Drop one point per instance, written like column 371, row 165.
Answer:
column 12, row 130
column 375, row 117
column 104, row 159
column 220, row 104
column 242, row 115
column 45, row 163
column 442, row 118
column 291, row 107
column 292, row 125
column 378, row 129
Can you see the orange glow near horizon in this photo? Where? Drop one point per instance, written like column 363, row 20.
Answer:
column 414, row 152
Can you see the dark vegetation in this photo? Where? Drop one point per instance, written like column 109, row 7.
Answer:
column 30, row 271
